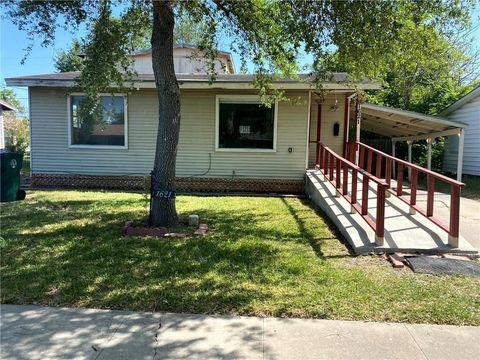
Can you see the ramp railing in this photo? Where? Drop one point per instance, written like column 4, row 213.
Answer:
column 344, row 175
column 372, row 160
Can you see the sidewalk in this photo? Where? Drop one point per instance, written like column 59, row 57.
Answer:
column 32, row 332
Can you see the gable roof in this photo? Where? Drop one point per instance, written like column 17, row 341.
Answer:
column 462, row 101
column 341, row 81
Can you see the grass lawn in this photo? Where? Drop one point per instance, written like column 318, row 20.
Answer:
column 265, row 256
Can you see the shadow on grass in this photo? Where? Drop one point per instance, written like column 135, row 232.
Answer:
column 313, row 239
column 72, row 253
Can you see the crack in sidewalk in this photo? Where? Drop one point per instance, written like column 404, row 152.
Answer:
column 155, row 349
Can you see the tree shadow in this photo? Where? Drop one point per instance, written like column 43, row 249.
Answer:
column 72, row 253
column 313, row 239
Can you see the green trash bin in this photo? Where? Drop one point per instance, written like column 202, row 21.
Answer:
column 11, row 164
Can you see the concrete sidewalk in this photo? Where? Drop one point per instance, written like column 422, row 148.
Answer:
column 33, row 332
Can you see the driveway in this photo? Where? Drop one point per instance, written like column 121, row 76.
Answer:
column 469, row 214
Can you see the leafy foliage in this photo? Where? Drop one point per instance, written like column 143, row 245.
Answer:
column 71, row 59
column 270, row 34
column 9, row 96
column 15, row 125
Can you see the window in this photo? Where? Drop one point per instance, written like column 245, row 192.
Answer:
column 244, row 123
column 104, row 127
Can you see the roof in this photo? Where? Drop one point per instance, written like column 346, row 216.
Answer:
column 225, row 54
column 406, row 125
column 462, row 101
column 196, row 81
column 7, row 106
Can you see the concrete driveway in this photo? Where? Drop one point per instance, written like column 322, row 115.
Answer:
column 469, row 214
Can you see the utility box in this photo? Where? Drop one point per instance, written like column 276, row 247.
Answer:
column 11, row 164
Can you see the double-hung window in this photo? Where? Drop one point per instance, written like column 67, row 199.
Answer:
column 105, row 126
column 245, row 124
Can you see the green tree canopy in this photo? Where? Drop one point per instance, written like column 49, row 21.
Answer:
column 70, row 59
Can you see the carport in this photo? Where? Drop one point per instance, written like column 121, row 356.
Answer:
column 409, row 126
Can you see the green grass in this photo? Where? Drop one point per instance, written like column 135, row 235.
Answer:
column 26, row 164
column 264, row 256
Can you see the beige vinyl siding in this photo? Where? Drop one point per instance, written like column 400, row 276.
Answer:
column 51, row 153
column 469, row 114
column 329, row 117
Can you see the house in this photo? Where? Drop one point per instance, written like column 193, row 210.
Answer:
column 228, row 140
column 467, row 110
column 4, row 107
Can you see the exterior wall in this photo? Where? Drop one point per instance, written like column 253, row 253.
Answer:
column 184, row 62
column 328, row 118
column 196, row 153
column 470, row 114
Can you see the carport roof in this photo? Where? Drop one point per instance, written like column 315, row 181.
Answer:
column 406, row 125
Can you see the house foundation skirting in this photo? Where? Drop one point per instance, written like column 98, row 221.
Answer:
column 193, row 184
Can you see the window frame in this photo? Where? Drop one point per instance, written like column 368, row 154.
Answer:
column 86, row 146
column 245, row 99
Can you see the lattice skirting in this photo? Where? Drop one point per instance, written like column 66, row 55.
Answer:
column 183, row 184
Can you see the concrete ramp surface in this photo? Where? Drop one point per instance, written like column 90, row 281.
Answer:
column 403, row 232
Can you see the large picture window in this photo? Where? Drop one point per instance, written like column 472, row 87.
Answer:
column 244, row 124
column 104, row 126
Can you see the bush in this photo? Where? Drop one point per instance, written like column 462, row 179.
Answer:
column 17, row 133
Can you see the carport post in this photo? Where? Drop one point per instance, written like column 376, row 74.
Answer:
column 461, row 142
column 409, row 143
column 429, row 154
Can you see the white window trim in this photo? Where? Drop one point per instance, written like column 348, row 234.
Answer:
column 69, row 124
column 247, row 99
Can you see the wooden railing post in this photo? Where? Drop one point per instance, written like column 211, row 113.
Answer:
column 331, row 162
column 430, row 194
column 388, row 175
column 320, row 155
column 338, row 179
column 361, row 156
column 354, row 190
column 413, row 190
column 345, row 180
column 380, row 218
column 325, row 165
column 369, row 161
column 400, row 179
column 365, row 195
column 454, row 232
column 378, row 166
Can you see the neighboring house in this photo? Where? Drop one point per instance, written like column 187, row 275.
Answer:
column 3, row 107
column 466, row 110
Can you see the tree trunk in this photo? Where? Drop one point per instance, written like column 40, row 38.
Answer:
column 163, row 211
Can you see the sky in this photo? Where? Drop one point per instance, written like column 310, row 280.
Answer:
column 13, row 43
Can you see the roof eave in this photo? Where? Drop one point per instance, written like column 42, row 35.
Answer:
column 401, row 112
column 200, row 84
